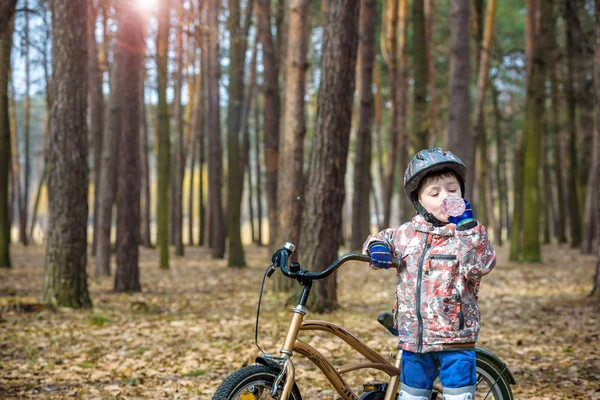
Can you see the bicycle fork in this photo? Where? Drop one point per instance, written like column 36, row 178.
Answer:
column 288, row 369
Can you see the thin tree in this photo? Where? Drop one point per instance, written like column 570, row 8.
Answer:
column 23, row 210
column 7, row 10
column 235, row 178
column 258, row 170
column 557, row 136
column 322, row 217
column 420, row 125
column 291, row 178
column 573, row 195
column 271, row 110
column 164, row 141
column 246, row 164
column 390, row 52
column 145, row 239
column 405, row 205
column 108, row 167
column 96, row 99
column 178, row 171
column 216, row 221
column 362, row 167
column 459, row 138
column 435, row 100
column 65, row 277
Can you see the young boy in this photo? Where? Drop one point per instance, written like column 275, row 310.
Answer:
column 443, row 259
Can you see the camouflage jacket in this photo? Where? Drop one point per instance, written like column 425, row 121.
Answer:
column 436, row 295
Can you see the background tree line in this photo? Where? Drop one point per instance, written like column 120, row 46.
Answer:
column 190, row 123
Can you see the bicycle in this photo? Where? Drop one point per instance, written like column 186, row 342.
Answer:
column 273, row 377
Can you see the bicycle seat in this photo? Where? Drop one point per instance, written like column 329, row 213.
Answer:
column 387, row 320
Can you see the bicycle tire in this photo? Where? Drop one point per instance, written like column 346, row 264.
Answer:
column 252, row 375
column 498, row 376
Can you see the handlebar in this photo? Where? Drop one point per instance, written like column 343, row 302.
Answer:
column 280, row 260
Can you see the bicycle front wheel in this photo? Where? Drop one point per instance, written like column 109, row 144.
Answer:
column 253, row 382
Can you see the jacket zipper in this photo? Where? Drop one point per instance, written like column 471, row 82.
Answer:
column 418, row 300
column 459, row 313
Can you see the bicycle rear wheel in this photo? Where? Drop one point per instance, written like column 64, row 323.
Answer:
column 492, row 382
column 253, row 382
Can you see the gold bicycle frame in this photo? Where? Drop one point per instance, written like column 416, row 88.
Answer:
column 333, row 374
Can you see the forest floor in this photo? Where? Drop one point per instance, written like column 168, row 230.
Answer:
column 193, row 325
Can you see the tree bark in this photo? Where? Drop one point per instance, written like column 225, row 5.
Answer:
column 96, row 126
column 179, row 161
column 24, row 209
column 532, row 137
column 405, row 204
column 325, row 197
column 460, row 141
column 271, row 110
column 435, row 102
column 420, row 135
column 596, row 281
column 216, row 221
column 246, row 167
column 65, row 276
column 164, row 133
column 258, row 171
column 237, row 52
column 108, row 171
column 391, row 49
column 7, row 10
column 291, row 178
column 572, row 188
column 557, row 135
column 145, row 230
column 362, row 167
column 131, row 37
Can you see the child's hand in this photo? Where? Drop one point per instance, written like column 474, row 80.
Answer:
column 463, row 219
column 381, row 257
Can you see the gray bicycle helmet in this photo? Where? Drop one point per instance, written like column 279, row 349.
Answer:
column 425, row 162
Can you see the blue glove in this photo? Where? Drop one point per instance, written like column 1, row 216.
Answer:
column 381, row 257
column 465, row 220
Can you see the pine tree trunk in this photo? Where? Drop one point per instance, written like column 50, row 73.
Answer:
column 572, row 188
column 557, row 136
column 145, row 230
column 378, row 141
column 391, row 49
column 362, row 168
column 501, row 184
column 65, row 276
column 164, row 141
column 131, row 36
column 596, row 76
column 216, row 221
column 532, row 138
column 246, row 167
column 325, row 196
column 15, row 173
column 259, row 209
column 237, row 52
column 6, row 29
column 516, row 225
column 179, row 159
column 96, row 99
column 108, row 169
column 200, row 133
column 23, row 211
column 420, row 135
column 460, row 141
column 435, row 102
column 291, row 178
column 271, row 110
column 405, row 204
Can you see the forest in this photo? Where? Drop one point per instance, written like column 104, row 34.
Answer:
column 154, row 154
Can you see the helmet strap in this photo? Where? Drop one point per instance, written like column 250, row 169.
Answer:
column 429, row 217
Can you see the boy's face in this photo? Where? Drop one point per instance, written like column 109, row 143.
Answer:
column 434, row 190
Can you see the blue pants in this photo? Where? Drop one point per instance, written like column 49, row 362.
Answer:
column 456, row 369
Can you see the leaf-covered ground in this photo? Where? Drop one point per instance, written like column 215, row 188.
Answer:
column 194, row 324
